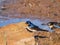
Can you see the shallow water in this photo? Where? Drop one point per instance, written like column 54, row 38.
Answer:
column 16, row 20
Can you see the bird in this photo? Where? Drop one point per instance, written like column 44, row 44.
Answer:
column 33, row 28
column 53, row 25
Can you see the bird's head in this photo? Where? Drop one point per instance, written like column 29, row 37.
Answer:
column 28, row 22
column 49, row 24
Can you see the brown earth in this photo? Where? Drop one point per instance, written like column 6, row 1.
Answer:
column 39, row 9
column 16, row 34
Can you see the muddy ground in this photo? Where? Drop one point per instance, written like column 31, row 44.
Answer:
column 17, row 34
column 40, row 9
column 34, row 9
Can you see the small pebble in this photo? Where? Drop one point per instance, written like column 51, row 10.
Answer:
column 3, row 8
column 55, row 14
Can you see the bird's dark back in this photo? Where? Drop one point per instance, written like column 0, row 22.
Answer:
column 34, row 27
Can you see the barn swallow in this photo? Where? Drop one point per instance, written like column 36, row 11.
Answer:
column 53, row 25
column 33, row 28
